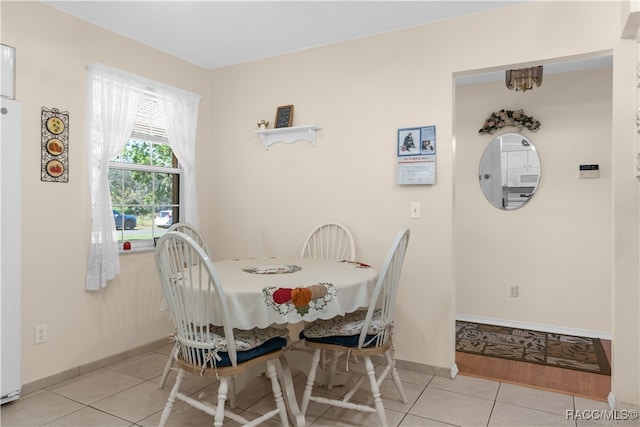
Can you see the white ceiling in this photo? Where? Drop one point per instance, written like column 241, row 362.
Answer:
column 214, row 34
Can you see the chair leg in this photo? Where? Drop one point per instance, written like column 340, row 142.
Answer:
column 395, row 376
column 168, row 366
column 310, row 380
column 222, row 397
column 232, row 393
column 332, row 369
column 166, row 412
column 165, row 373
column 277, row 392
column 375, row 391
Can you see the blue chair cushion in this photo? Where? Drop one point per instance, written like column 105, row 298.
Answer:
column 269, row 346
column 341, row 340
column 244, row 339
column 273, row 344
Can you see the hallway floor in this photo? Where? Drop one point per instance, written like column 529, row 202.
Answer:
column 127, row 394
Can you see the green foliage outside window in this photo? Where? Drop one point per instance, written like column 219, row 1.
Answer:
column 140, row 187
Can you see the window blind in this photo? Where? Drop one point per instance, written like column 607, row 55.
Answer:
column 149, row 122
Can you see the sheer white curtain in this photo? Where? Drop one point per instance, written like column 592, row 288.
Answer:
column 113, row 101
column 180, row 110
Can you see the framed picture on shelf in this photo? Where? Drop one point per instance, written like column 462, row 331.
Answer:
column 284, row 116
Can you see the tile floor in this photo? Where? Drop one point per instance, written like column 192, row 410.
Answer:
column 126, row 394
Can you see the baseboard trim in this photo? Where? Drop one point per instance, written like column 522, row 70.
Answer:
column 90, row 367
column 424, row 369
column 611, row 399
column 535, row 326
column 454, row 371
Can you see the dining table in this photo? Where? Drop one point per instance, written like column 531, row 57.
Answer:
column 265, row 291
column 289, row 290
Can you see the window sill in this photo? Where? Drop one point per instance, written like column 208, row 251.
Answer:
column 135, row 250
column 136, row 246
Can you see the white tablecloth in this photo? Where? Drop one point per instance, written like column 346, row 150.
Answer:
column 259, row 300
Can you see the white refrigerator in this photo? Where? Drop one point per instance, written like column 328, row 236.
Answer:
column 11, row 249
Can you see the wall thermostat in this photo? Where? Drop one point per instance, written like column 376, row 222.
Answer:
column 589, row 171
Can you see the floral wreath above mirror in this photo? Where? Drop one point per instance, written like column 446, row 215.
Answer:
column 499, row 119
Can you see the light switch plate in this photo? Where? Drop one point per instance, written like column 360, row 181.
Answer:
column 415, row 210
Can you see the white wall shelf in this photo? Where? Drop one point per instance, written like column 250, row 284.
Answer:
column 288, row 135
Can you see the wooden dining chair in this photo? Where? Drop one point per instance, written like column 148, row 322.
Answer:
column 363, row 333
column 192, row 232
column 330, row 241
column 207, row 344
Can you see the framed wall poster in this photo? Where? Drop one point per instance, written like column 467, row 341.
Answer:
column 416, row 155
column 284, row 116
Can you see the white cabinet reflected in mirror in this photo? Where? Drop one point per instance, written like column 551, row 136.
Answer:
column 509, row 171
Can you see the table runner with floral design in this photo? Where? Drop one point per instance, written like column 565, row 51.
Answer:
column 300, row 299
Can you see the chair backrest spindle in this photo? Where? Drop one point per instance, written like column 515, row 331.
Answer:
column 330, row 241
column 192, row 232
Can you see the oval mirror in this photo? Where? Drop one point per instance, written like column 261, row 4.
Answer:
column 509, row 171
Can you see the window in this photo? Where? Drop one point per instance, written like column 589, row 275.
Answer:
column 135, row 126
column 144, row 181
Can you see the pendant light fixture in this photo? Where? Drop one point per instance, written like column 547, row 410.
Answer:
column 524, row 79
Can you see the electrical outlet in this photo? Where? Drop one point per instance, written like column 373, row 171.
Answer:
column 513, row 291
column 41, row 334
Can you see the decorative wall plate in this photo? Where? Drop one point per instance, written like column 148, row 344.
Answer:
column 55, row 125
column 55, row 145
column 55, row 168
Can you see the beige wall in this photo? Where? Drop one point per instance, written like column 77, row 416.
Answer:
column 256, row 202
column 53, row 50
column 360, row 93
column 557, row 249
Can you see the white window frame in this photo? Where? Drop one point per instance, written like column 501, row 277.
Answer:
column 149, row 127
column 138, row 245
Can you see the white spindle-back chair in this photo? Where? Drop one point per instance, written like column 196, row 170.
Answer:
column 207, row 344
column 192, row 232
column 375, row 325
column 331, row 240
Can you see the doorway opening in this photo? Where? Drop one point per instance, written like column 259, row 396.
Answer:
column 542, row 249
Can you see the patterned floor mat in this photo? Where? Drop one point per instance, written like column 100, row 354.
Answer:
column 545, row 348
